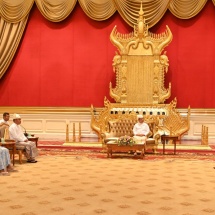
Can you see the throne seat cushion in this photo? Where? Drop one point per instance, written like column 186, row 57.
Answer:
column 111, row 142
column 111, row 139
column 121, row 128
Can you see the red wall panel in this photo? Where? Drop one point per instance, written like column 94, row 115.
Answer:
column 70, row 63
column 192, row 58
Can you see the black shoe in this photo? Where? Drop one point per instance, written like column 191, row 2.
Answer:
column 31, row 161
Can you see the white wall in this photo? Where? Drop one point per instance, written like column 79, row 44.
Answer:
column 50, row 123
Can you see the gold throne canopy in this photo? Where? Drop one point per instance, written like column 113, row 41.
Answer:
column 140, row 65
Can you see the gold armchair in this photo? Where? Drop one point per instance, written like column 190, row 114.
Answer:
column 20, row 150
column 2, row 130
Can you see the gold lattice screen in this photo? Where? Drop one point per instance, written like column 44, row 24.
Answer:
column 140, row 79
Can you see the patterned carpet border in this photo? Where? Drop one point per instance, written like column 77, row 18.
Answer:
column 96, row 154
column 88, row 150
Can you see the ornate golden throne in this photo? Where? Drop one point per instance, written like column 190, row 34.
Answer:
column 140, row 66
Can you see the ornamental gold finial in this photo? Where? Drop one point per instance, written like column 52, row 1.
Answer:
column 141, row 9
column 142, row 27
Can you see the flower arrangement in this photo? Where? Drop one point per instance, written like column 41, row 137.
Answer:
column 125, row 141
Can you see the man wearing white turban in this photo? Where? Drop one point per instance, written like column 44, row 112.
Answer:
column 17, row 134
column 140, row 130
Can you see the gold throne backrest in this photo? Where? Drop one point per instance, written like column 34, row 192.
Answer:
column 140, row 79
column 140, row 65
column 121, row 128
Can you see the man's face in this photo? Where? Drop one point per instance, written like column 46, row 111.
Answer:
column 7, row 117
column 18, row 121
column 140, row 120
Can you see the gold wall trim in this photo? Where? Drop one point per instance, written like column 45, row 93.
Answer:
column 86, row 110
column 201, row 111
column 41, row 110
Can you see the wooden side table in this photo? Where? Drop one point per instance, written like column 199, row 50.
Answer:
column 10, row 145
column 165, row 138
column 33, row 139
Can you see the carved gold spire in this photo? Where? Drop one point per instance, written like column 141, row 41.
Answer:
column 142, row 27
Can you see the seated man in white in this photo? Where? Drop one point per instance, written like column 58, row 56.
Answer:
column 17, row 134
column 140, row 130
column 4, row 123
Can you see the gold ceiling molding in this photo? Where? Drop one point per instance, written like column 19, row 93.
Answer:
column 98, row 9
column 186, row 9
column 153, row 10
column 14, row 11
column 45, row 110
column 55, row 10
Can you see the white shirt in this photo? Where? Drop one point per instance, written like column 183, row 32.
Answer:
column 3, row 121
column 16, row 133
column 141, row 128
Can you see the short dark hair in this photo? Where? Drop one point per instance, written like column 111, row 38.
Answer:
column 5, row 114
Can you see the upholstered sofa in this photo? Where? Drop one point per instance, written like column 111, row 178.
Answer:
column 121, row 127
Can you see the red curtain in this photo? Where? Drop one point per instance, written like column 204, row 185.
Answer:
column 70, row 63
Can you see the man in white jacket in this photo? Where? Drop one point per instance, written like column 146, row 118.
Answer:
column 140, row 130
column 17, row 134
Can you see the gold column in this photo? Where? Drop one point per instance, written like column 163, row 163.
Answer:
column 204, row 135
column 73, row 132
column 67, row 133
column 79, row 136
